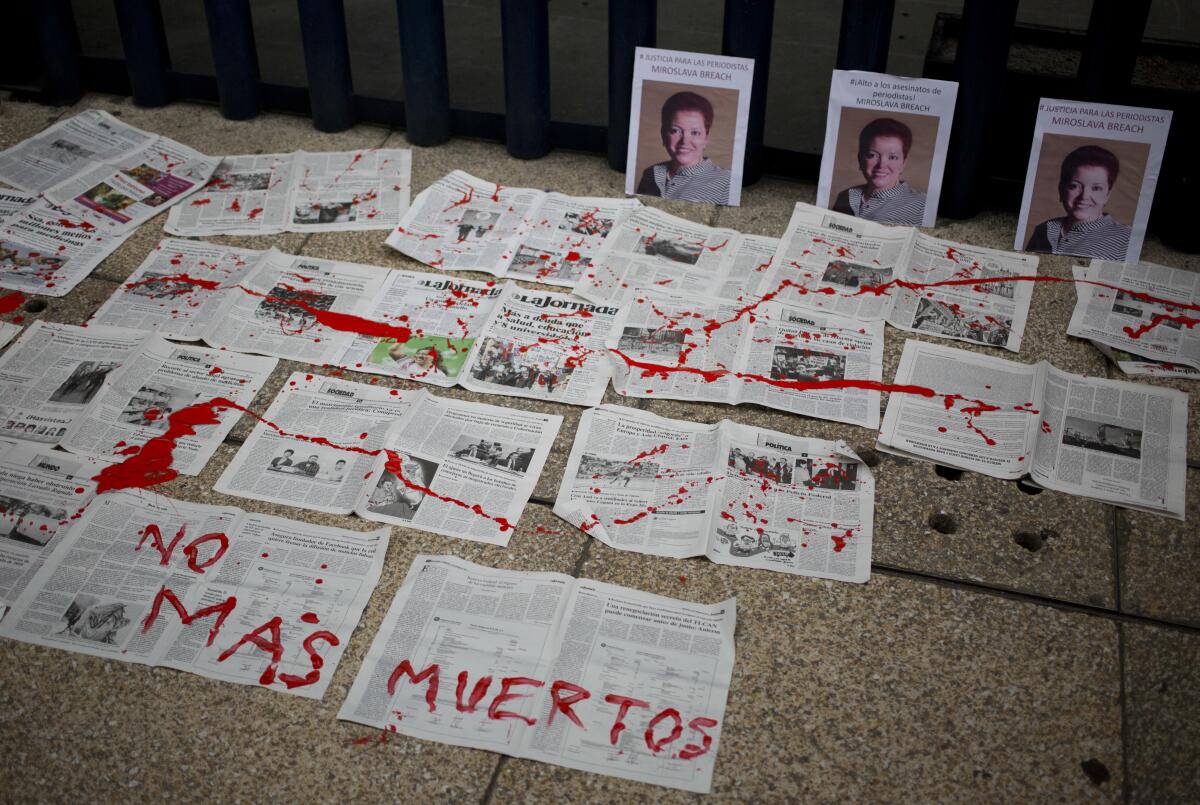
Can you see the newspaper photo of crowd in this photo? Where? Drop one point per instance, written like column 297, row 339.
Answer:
column 476, row 223
column 827, row 474
column 293, row 307
column 674, row 250
column 937, row 317
column 313, row 462
column 241, row 181
column 806, row 365
column 327, row 211
column 89, row 619
column 598, row 472
column 29, row 522
column 402, row 498
column 503, row 364
column 657, row 341
column 855, row 275
column 492, row 453
column 83, row 382
column 587, row 223
column 772, row 468
column 150, row 406
column 1092, row 434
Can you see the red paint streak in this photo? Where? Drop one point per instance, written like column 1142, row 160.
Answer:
column 496, row 193
column 216, row 370
column 719, row 246
column 1157, row 319
column 11, row 301
column 84, row 225
column 182, row 279
column 235, row 206
column 467, row 198
column 572, row 257
column 654, row 451
column 150, row 465
column 254, row 213
column 200, row 202
column 342, row 322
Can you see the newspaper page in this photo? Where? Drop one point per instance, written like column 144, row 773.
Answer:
column 1128, row 306
column 135, row 404
column 317, row 442
column 444, row 315
column 350, row 190
column 459, row 468
column 69, row 148
column 575, row 659
column 544, row 346
column 461, row 223
column 41, row 490
column 744, row 275
column 12, row 200
column 945, row 300
column 1114, row 441
column 238, row 597
column 247, row 195
column 283, row 303
column 969, row 411
column 51, row 374
column 47, row 250
column 653, row 249
column 8, row 332
column 568, row 234
column 180, row 291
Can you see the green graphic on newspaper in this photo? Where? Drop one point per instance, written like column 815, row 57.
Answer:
column 422, row 354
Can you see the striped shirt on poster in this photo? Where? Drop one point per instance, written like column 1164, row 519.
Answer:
column 1105, row 238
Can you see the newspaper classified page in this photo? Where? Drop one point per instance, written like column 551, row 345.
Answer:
column 545, row 346
column 1128, row 307
column 652, row 249
column 238, row 597
column 737, row 494
column 590, row 676
column 69, row 148
column 317, row 442
column 568, row 233
column 459, row 468
column 247, row 195
column 461, row 223
column 47, row 250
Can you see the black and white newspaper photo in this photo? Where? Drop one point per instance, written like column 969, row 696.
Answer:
column 282, row 462
column 687, row 126
column 653, row 249
column 461, row 223
column 737, row 494
column 229, row 595
column 1128, row 307
column 182, row 290
column 263, row 194
column 1091, row 178
column 47, row 250
column 590, row 676
column 457, row 468
column 886, row 139
column 783, row 357
column 544, row 346
column 567, row 234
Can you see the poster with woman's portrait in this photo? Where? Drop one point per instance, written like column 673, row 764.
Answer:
column 1091, row 179
column 687, row 126
column 885, row 146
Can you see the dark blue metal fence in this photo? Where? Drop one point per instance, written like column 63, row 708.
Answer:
column 527, row 128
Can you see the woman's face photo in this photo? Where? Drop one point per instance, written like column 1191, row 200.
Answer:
column 1084, row 196
column 882, row 162
column 686, row 138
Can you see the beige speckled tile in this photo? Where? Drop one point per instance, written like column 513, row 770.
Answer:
column 20, row 120
column 1160, row 561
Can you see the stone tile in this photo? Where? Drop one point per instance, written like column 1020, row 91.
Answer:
column 74, row 308
column 19, row 120
column 767, row 206
column 1160, row 561
column 856, row 692
column 1162, row 717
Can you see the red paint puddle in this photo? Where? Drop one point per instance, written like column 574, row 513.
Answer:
column 11, row 301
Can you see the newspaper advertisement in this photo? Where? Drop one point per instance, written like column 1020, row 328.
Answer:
column 886, row 139
column 444, row 316
column 567, row 235
column 49, row 377
column 544, row 346
column 1128, row 306
column 285, row 461
column 458, row 468
column 135, row 404
column 41, row 490
column 737, row 494
column 300, row 192
column 46, row 250
column 573, row 672
column 783, row 357
column 461, row 223
column 215, row 591
column 181, row 291
column 69, row 148
column 653, row 249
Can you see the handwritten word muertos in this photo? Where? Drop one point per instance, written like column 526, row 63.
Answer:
column 662, row 731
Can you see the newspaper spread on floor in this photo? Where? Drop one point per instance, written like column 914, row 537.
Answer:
column 262, row 194
column 216, row 591
column 653, row 249
column 744, row 279
column 737, row 494
column 1127, row 306
column 914, row 281
column 105, row 391
column 1114, row 441
column 462, row 469
column 461, row 222
column 794, row 359
column 545, row 346
column 568, row 671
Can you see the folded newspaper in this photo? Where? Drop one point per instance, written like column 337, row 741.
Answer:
column 463, row 223
column 737, row 494
column 1114, row 441
column 793, row 359
column 407, row 458
column 106, row 391
column 216, row 591
column 573, row 672
column 262, row 194
column 1141, row 309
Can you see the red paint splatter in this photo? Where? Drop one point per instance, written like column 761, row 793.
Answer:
column 11, row 301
